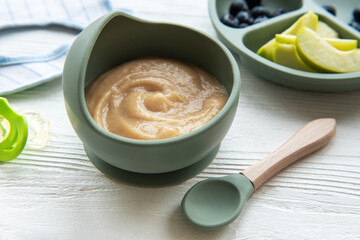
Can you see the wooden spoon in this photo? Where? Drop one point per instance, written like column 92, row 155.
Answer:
column 218, row 201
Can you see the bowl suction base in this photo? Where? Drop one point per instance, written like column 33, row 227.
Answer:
column 148, row 179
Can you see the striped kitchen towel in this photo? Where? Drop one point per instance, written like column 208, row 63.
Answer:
column 35, row 36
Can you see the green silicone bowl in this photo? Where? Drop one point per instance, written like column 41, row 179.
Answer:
column 246, row 42
column 116, row 38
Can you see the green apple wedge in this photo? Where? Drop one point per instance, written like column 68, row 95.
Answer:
column 285, row 54
column 326, row 31
column 309, row 19
column 322, row 56
column 341, row 44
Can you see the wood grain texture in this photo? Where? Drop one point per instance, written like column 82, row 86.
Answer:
column 57, row 193
column 308, row 139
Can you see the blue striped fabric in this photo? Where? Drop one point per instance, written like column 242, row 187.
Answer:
column 18, row 70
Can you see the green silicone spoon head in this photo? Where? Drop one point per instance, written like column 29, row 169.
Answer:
column 13, row 131
column 217, row 201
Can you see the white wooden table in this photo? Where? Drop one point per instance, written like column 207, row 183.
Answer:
column 57, row 193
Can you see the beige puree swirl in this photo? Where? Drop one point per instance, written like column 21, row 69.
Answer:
column 154, row 98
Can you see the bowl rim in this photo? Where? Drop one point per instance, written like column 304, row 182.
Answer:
column 233, row 95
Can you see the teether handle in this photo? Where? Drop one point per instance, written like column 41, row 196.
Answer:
column 14, row 143
column 311, row 137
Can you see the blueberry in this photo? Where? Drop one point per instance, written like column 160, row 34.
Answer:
column 260, row 11
column 253, row 3
column 237, row 6
column 355, row 25
column 230, row 21
column 242, row 25
column 356, row 14
column 278, row 12
column 244, row 17
column 260, row 19
column 331, row 9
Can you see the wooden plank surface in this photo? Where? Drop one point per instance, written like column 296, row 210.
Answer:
column 56, row 193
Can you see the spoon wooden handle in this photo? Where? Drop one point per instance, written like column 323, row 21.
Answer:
column 311, row 137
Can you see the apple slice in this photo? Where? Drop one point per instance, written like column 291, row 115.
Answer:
column 284, row 38
column 286, row 55
column 309, row 19
column 341, row 44
column 322, row 56
column 326, row 31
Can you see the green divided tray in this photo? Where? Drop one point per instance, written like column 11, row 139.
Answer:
column 246, row 42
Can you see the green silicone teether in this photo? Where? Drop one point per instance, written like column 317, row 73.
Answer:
column 14, row 136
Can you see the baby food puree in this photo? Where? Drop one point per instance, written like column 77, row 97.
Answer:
column 154, row 98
